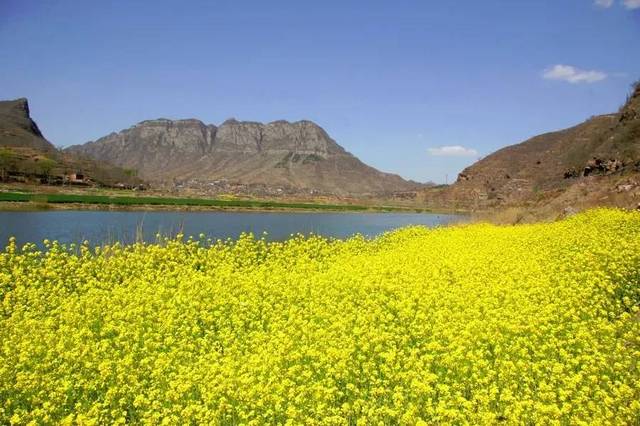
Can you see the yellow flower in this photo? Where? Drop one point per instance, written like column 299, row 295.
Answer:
column 472, row 324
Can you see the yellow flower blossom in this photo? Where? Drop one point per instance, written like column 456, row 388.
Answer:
column 471, row 324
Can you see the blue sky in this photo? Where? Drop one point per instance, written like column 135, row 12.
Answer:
column 417, row 88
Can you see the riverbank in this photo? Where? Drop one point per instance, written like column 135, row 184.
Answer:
column 62, row 201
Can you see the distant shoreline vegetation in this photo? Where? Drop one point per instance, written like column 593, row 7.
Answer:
column 128, row 201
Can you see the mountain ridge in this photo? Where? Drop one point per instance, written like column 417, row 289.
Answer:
column 280, row 153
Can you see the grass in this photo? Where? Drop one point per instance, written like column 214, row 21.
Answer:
column 197, row 202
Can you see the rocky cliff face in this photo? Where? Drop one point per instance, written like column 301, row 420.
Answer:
column 296, row 155
column 546, row 166
column 17, row 129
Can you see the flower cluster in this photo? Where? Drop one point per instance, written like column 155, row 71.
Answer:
column 472, row 324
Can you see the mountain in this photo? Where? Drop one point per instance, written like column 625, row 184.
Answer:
column 298, row 155
column 589, row 159
column 17, row 129
column 26, row 156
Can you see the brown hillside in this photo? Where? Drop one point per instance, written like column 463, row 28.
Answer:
column 604, row 149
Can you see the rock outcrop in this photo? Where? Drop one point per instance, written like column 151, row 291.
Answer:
column 298, row 155
column 598, row 166
column 630, row 112
column 17, row 129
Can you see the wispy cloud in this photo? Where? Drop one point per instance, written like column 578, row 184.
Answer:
column 604, row 3
column 629, row 4
column 452, row 151
column 573, row 75
column 632, row 4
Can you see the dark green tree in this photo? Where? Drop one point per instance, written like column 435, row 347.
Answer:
column 45, row 167
column 7, row 162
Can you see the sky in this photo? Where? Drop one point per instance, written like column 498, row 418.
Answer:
column 418, row 88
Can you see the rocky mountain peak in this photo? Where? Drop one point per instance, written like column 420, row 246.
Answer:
column 18, row 110
column 230, row 121
column 165, row 122
column 18, row 129
column 20, row 105
column 280, row 153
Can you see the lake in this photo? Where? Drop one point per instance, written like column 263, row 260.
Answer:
column 100, row 227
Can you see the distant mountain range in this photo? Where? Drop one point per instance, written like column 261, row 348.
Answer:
column 298, row 155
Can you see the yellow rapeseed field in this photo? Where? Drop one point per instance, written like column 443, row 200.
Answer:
column 473, row 324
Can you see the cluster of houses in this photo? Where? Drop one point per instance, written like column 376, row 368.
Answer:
column 218, row 187
column 224, row 186
column 71, row 178
column 66, row 179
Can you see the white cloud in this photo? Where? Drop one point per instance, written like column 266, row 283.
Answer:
column 452, row 151
column 632, row 4
column 604, row 3
column 573, row 75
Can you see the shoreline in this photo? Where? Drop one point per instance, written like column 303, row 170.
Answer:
column 35, row 206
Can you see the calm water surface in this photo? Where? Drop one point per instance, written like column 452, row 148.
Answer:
column 100, row 227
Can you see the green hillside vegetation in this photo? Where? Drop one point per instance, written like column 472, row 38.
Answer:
column 34, row 166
